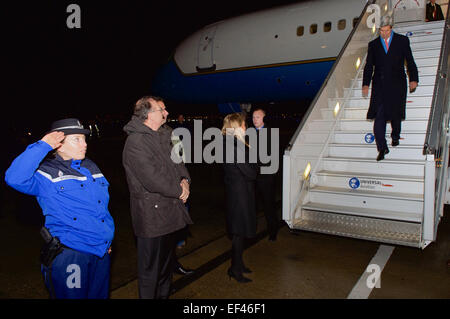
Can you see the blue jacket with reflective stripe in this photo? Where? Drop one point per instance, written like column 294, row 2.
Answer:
column 73, row 195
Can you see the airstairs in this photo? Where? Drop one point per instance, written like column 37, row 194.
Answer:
column 332, row 182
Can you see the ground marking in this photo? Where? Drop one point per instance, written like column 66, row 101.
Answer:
column 372, row 275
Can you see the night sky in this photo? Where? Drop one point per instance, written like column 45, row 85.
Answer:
column 51, row 71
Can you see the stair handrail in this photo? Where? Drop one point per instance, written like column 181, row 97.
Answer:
column 436, row 139
column 325, row 82
column 306, row 183
column 438, row 110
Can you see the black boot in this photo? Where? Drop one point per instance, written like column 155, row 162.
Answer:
column 239, row 277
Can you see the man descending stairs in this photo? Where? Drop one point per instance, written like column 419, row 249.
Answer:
column 349, row 193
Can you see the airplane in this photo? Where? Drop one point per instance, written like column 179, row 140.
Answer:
column 277, row 54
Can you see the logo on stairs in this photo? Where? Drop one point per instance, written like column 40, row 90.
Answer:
column 369, row 138
column 354, row 183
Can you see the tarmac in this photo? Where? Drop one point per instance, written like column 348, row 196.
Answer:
column 305, row 265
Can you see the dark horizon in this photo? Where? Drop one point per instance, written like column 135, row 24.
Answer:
column 52, row 71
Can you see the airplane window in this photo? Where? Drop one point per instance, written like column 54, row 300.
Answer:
column 327, row 27
column 355, row 21
column 313, row 28
column 300, row 31
column 341, row 24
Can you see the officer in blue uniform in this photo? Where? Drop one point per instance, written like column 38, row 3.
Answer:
column 73, row 195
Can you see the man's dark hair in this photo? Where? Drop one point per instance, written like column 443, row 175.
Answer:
column 259, row 109
column 143, row 106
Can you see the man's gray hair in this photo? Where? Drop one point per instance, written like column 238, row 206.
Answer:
column 143, row 106
column 386, row 20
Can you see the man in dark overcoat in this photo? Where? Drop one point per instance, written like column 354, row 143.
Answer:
column 159, row 188
column 385, row 68
column 265, row 183
column 433, row 12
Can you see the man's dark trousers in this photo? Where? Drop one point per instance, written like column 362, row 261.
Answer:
column 379, row 129
column 156, row 262
column 265, row 187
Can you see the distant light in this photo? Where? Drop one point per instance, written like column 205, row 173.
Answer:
column 307, row 171
column 323, row 46
column 374, row 29
column 385, row 7
column 336, row 109
column 29, row 133
column 358, row 63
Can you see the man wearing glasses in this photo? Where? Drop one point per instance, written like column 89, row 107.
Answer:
column 158, row 190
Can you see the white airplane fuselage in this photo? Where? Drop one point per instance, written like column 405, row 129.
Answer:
column 278, row 54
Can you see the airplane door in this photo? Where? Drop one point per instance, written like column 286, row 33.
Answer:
column 206, row 49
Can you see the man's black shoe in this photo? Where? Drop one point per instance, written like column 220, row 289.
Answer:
column 381, row 154
column 183, row 271
column 395, row 142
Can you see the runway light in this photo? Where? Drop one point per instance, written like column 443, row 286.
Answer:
column 307, row 171
column 336, row 109
column 358, row 63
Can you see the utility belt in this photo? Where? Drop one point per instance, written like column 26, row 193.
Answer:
column 52, row 247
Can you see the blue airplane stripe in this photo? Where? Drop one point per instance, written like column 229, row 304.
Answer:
column 290, row 82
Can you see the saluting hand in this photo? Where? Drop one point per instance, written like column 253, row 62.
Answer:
column 54, row 139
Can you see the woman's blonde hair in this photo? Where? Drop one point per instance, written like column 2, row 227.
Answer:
column 232, row 125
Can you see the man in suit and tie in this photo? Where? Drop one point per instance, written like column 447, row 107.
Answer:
column 385, row 69
column 433, row 12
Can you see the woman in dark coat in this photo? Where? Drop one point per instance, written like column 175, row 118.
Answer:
column 239, row 177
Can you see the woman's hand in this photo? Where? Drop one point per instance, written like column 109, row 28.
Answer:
column 54, row 139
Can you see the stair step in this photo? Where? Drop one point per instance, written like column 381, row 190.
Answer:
column 365, row 212
column 423, row 80
column 361, row 113
column 388, row 231
column 426, row 38
column 363, row 151
column 362, row 137
column 365, row 125
column 427, row 53
column 419, row 100
column 378, row 176
column 412, row 27
column 370, row 159
column 407, row 125
column 422, row 71
column 422, row 89
column 382, row 182
column 434, row 44
column 363, row 166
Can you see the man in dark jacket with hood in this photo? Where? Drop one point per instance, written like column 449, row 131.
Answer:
column 159, row 187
